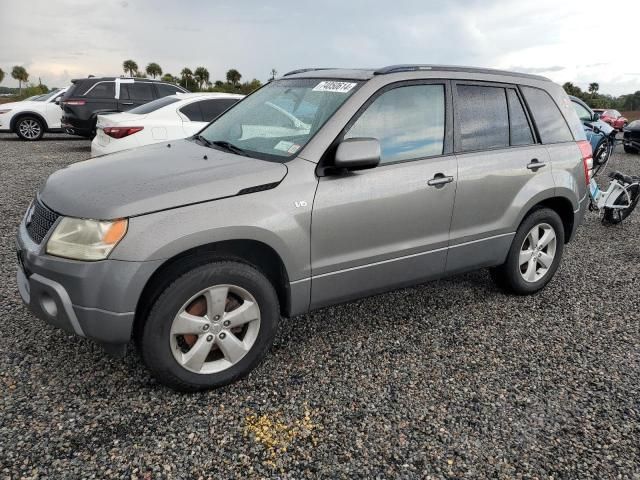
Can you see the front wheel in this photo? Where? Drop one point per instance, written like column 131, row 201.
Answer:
column 210, row 327
column 534, row 255
column 29, row 128
column 617, row 215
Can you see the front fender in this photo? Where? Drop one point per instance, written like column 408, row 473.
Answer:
column 18, row 115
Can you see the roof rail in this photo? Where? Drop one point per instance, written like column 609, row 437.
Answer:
column 451, row 68
column 304, row 70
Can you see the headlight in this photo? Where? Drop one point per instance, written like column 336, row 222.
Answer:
column 6, row 110
column 83, row 239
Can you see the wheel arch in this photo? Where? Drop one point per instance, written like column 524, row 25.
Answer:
column 27, row 113
column 563, row 207
column 252, row 252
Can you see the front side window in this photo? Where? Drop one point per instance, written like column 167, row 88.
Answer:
column 103, row 90
column 408, row 122
column 266, row 124
column 583, row 114
column 551, row 124
column 483, row 118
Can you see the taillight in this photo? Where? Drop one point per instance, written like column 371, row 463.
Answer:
column 121, row 132
column 74, row 102
column 587, row 159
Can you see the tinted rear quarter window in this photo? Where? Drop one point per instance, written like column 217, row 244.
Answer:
column 552, row 126
column 102, row 90
column 213, row 108
column 192, row 111
column 482, row 117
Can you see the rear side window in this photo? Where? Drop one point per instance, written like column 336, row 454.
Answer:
column 155, row 105
column 408, row 122
column 519, row 129
column 192, row 112
column 213, row 108
column 482, row 117
column 102, row 90
column 140, row 91
column 165, row 89
column 551, row 124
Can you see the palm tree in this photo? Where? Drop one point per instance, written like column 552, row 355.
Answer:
column 593, row 88
column 20, row 74
column 130, row 67
column 186, row 75
column 154, row 70
column 233, row 76
column 201, row 76
column 1, row 75
column 274, row 73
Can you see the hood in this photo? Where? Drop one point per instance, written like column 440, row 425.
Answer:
column 23, row 104
column 152, row 178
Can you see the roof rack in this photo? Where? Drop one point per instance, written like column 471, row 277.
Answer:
column 304, row 70
column 451, row 68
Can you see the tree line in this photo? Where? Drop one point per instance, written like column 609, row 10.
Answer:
column 196, row 80
column 594, row 99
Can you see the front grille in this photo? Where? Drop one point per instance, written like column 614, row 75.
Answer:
column 40, row 221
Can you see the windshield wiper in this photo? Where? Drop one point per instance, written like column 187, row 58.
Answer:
column 230, row 147
column 201, row 138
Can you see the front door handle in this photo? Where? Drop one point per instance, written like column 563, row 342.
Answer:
column 439, row 180
column 535, row 164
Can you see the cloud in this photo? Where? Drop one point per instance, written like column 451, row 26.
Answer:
column 254, row 36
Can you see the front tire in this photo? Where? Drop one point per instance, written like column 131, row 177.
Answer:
column 29, row 128
column 534, row 255
column 614, row 216
column 210, row 327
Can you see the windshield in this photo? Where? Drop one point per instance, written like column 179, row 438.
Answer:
column 154, row 105
column 46, row 96
column 279, row 119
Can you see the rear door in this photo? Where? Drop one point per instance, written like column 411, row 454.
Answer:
column 377, row 229
column 135, row 94
column 501, row 167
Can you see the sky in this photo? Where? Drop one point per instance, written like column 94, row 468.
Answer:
column 580, row 41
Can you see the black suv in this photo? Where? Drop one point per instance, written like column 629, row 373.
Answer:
column 88, row 97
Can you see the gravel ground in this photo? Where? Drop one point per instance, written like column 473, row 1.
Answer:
column 447, row 380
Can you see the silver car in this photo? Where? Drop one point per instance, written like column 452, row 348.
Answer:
column 321, row 187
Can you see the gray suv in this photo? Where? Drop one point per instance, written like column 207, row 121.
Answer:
column 323, row 186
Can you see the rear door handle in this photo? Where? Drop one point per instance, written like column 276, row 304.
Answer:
column 535, row 164
column 439, row 180
column 127, row 103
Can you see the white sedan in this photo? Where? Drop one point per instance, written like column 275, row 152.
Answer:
column 30, row 119
column 168, row 118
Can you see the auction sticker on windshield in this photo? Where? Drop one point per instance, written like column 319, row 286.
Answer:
column 339, row 87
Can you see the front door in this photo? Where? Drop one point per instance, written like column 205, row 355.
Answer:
column 377, row 229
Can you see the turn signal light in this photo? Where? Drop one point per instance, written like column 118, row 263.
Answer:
column 587, row 159
column 74, row 102
column 121, row 132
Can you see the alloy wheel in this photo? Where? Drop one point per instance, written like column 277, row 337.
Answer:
column 537, row 252
column 30, row 128
column 215, row 329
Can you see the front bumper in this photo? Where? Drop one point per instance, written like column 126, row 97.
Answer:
column 96, row 300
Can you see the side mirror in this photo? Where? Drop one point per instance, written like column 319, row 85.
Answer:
column 358, row 154
column 596, row 117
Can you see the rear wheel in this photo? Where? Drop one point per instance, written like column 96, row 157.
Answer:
column 629, row 149
column 617, row 215
column 29, row 128
column 210, row 327
column 534, row 255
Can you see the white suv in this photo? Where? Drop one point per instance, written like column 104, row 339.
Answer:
column 30, row 119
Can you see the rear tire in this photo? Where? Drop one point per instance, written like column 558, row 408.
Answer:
column 535, row 254
column 615, row 216
column 29, row 128
column 223, row 346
